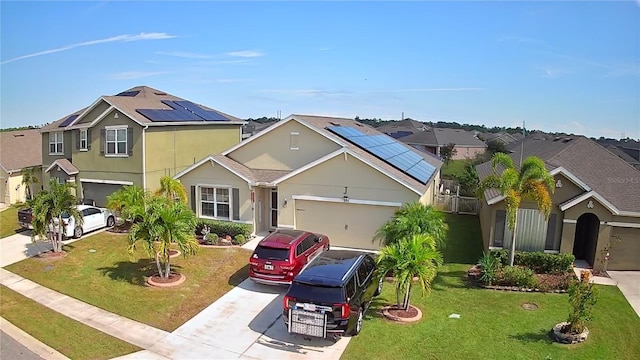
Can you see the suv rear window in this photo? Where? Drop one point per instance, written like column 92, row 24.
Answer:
column 269, row 253
column 315, row 293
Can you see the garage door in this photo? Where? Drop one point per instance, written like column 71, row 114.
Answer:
column 625, row 255
column 98, row 192
column 347, row 225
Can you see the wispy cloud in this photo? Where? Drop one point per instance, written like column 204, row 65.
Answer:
column 118, row 38
column 131, row 75
column 246, row 53
column 186, row 55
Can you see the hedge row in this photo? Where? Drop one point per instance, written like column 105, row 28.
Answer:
column 539, row 262
column 224, row 228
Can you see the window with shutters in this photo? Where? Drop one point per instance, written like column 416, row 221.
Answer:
column 215, row 202
column 83, row 140
column 116, row 141
column 56, row 143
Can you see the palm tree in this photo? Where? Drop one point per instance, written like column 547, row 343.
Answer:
column 413, row 219
column 531, row 182
column 410, row 259
column 164, row 222
column 127, row 201
column 48, row 208
column 172, row 189
column 29, row 177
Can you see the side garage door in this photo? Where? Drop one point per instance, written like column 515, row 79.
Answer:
column 625, row 255
column 347, row 225
column 98, row 192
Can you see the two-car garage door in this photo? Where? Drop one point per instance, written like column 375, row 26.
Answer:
column 625, row 254
column 346, row 224
column 98, row 192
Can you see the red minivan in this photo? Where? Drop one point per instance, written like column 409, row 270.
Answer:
column 281, row 255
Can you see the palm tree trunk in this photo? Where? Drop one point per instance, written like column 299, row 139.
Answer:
column 407, row 296
column 399, row 296
column 512, row 252
column 158, row 264
column 167, row 266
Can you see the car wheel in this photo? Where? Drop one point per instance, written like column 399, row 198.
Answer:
column 379, row 288
column 77, row 232
column 111, row 221
column 359, row 322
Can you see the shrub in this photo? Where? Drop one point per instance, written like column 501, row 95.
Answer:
column 539, row 262
column 239, row 240
column 582, row 297
column 489, row 265
column 224, row 228
column 211, row 239
column 519, row 276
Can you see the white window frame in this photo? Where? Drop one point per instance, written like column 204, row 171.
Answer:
column 294, row 138
column 215, row 201
column 116, row 141
column 57, row 140
column 84, row 137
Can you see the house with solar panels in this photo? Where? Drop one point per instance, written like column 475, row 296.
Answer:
column 134, row 137
column 328, row 175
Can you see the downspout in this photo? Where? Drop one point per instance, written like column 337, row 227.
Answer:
column 144, row 157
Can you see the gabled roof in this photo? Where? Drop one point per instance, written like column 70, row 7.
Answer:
column 65, row 165
column 20, row 149
column 130, row 101
column 251, row 176
column 402, row 125
column 442, row 137
column 604, row 173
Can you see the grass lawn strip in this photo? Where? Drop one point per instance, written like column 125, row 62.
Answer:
column 9, row 222
column 109, row 279
column 453, row 169
column 73, row 339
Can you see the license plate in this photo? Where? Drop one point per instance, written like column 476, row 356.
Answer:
column 309, row 307
column 268, row 267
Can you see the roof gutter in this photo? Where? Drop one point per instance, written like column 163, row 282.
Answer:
column 144, row 157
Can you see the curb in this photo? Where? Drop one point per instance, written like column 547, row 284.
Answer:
column 41, row 349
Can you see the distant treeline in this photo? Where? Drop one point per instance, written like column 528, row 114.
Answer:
column 30, row 127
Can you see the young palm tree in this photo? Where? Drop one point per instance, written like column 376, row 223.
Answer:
column 127, row 201
column 409, row 258
column 164, row 222
column 531, row 182
column 172, row 189
column 29, row 178
column 413, row 219
column 48, row 208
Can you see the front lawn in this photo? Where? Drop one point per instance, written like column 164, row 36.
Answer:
column 9, row 222
column 72, row 338
column 493, row 325
column 453, row 169
column 109, row 279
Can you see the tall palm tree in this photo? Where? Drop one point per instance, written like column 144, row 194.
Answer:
column 413, row 219
column 48, row 209
column 164, row 222
column 410, row 258
column 531, row 182
column 29, row 178
column 127, row 201
column 172, row 189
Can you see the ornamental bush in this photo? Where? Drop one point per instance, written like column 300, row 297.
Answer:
column 224, row 228
column 539, row 262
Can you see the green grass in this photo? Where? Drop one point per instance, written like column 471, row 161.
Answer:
column 455, row 167
column 73, row 339
column 493, row 324
column 109, row 279
column 9, row 222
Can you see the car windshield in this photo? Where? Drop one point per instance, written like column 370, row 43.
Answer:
column 317, row 293
column 269, row 253
column 65, row 215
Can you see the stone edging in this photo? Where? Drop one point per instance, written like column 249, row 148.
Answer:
column 164, row 285
column 178, row 253
column 566, row 338
column 385, row 312
column 517, row 288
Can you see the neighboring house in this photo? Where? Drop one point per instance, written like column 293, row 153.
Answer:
column 313, row 173
column 134, row 137
column 630, row 155
column 503, row 137
column 253, row 127
column 432, row 140
column 18, row 150
column 402, row 128
column 597, row 200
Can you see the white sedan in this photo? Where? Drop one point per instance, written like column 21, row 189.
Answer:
column 94, row 218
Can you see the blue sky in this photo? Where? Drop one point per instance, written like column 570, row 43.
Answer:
column 558, row 66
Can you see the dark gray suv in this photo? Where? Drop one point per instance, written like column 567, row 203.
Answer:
column 331, row 294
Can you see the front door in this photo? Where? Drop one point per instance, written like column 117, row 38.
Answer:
column 273, row 209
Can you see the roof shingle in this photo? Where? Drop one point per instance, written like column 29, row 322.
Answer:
column 20, row 149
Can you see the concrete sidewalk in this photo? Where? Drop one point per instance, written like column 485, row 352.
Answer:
column 629, row 284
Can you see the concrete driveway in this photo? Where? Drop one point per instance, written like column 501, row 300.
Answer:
column 245, row 323
column 629, row 285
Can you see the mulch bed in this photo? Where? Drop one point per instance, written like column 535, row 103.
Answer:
column 121, row 229
column 173, row 277
column 50, row 255
column 409, row 313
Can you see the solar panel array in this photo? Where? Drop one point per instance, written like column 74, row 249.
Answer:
column 129, row 93
column 181, row 111
column 68, row 121
column 388, row 150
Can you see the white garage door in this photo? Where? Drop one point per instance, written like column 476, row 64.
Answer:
column 346, row 224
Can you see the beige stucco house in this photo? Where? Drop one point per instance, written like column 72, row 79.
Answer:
column 19, row 150
column 596, row 203
column 307, row 172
